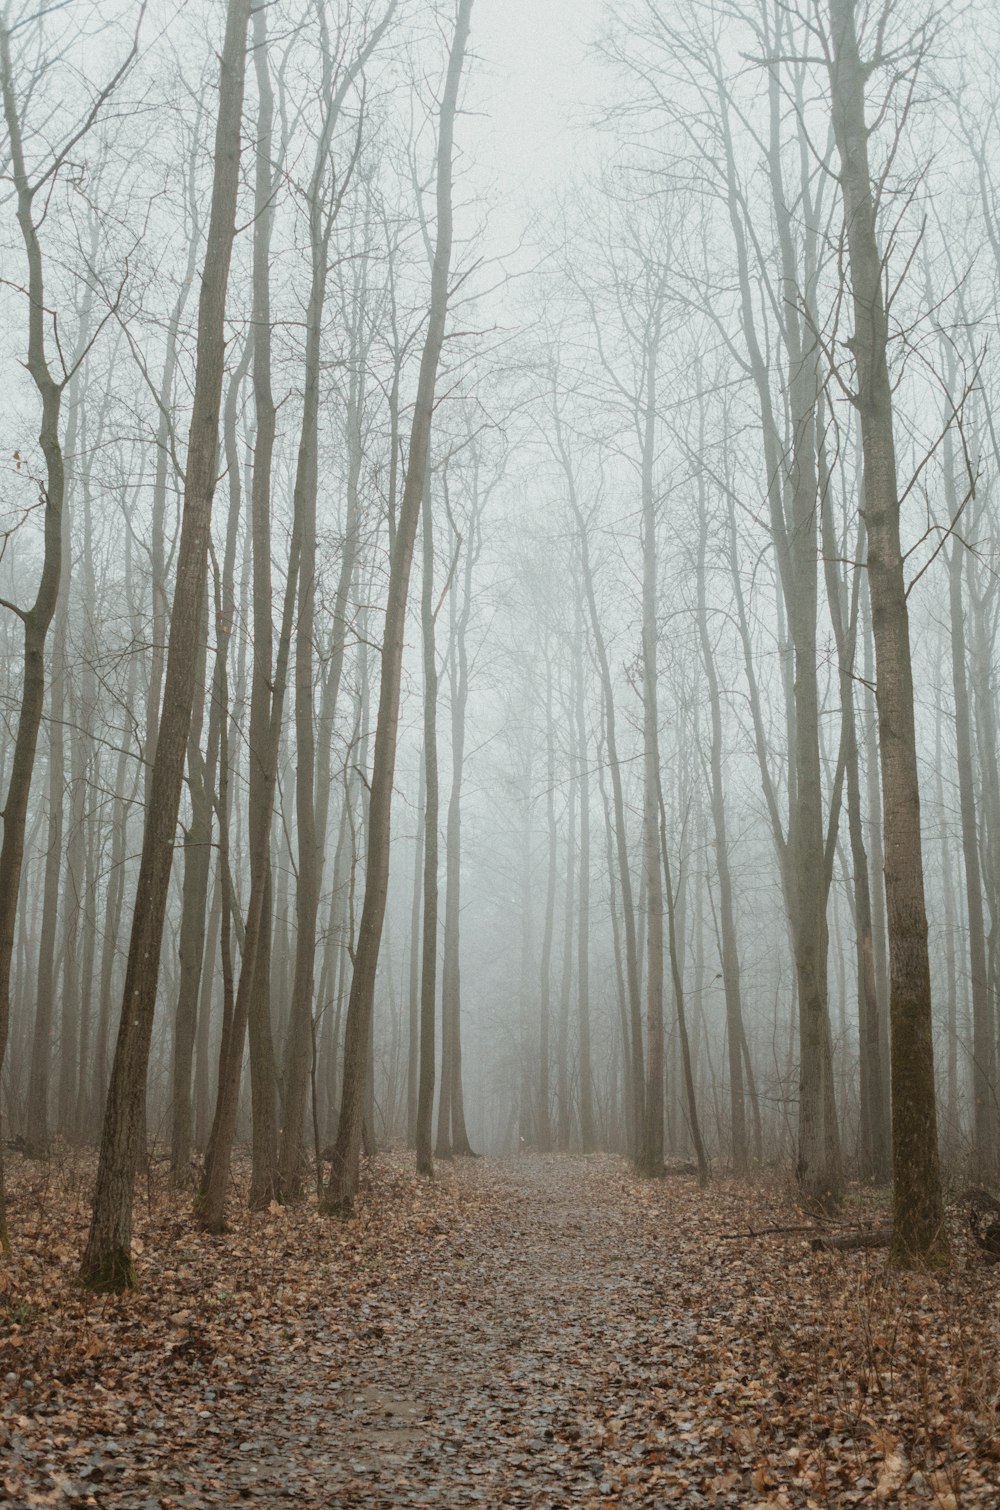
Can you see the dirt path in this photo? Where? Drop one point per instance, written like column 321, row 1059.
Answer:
column 532, row 1332
column 496, row 1357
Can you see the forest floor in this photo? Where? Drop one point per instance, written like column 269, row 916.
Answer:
column 523, row 1332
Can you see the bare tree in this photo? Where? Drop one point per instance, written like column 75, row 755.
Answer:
column 344, row 1174
column 919, row 1235
column 107, row 1262
column 22, row 80
column 429, row 939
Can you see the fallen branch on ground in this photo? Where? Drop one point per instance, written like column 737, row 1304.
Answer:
column 870, row 1237
column 766, row 1231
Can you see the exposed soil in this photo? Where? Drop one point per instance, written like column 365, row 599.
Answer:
column 530, row 1332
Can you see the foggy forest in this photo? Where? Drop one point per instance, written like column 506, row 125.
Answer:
column 500, row 864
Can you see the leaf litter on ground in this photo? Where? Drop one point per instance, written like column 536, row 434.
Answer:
column 536, row 1331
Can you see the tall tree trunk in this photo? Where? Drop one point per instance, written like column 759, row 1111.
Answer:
column 323, row 197
column 428, row 969
column 202, row 777
column 107, row 1261
column 650, row 1159
column 953, row 1119
column 624, row 1026
column 36, row 1128
column 983, row 600
column 113, row 903
column 211, row 1199
column 634, row 1057
column 983, row 1117
column 677, row 977
column 728, row 948
column 74, row 904
column 876, row 848
column 918, row 1233
column 564, row 1102
column 451, row 976
column 584, row 920
column 543, row 1119
column 344, row 1173
column 874, row 1119
column 264, row 1177
column 81, row 1091
column 413, row 993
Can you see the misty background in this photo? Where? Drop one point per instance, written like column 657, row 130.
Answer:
column 649, row 320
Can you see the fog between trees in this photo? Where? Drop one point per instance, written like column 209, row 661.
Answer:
column 632, row 537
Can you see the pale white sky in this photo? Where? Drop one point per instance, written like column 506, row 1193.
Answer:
column 532, row 76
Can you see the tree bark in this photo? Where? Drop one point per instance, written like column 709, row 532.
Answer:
column 584, row 920
column 451, row 992
column 325, row 193
column 428, row 968
column 650, row 1160
column 107, row 1261
column 345, row 1167
column 728, row 946
column 919, row 1236
column 677, row 977
column 413, row 991
column 634, row 1057
column 542, row 1127
column 38, row 617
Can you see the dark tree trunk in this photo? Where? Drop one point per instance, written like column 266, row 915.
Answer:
column 107, row 1261
column 919, row 1235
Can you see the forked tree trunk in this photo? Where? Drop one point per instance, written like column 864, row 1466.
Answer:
column 107, row 1261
